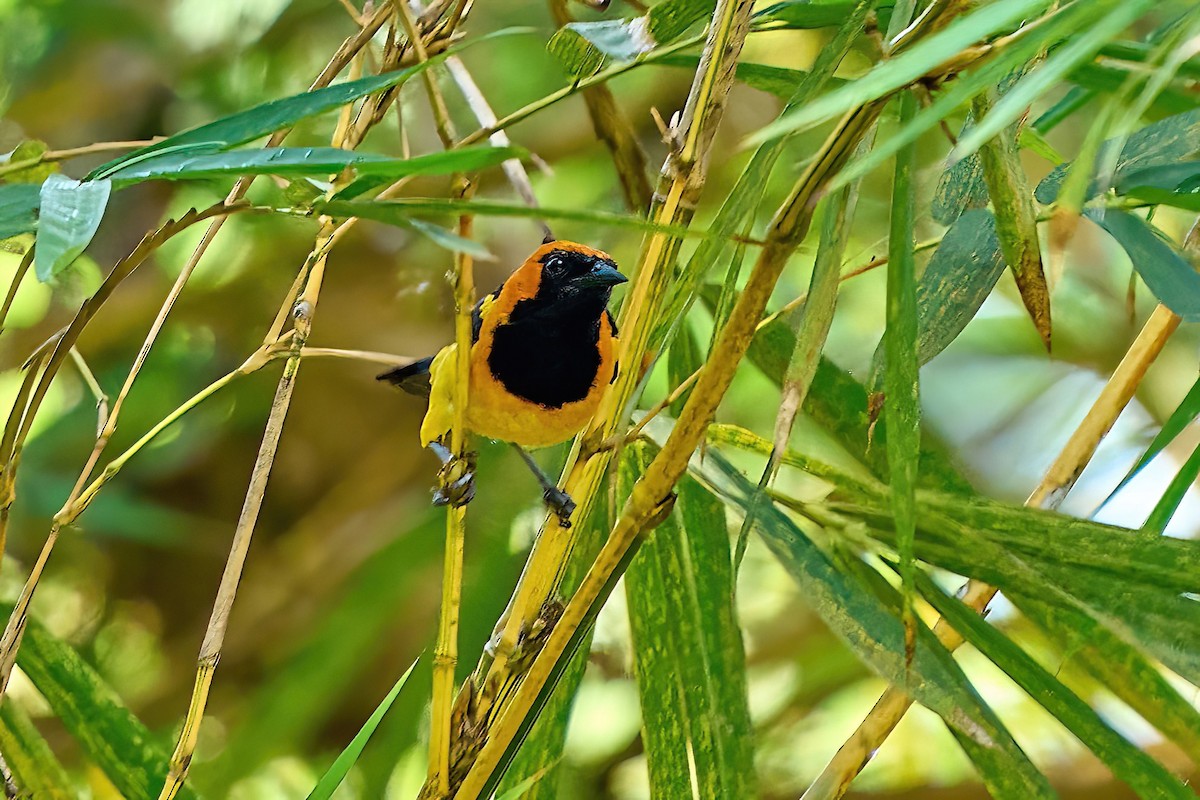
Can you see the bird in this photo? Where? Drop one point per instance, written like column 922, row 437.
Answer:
column 543, row 351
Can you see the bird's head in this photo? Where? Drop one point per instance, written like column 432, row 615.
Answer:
column 574, row 275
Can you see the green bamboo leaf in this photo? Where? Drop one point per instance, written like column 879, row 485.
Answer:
column 266, row 118
column 779, row 81
column 902, row 385
column 1183, row 416
column 1121, row 667
column 1167, row 141
column 187, row 165
column 689, row 658
column 340, row 768
column 1016, row 220
column 805, row 14
column 1129, row 764
column 28, row 150
column 18, row 209
column 905, row 68
column 1045, row 537
column 70, row 214
column 107, row 732
column 1113, row 18
column 582, row 48
column 999, row 71
column 738, row 208
column 444, row 237
column 1166, row 272
column 1168, row 504
column 1182, row 177
column 863, row 622
column 35, row 770
column 401, row 211
column 958, row 278
column 1110, row 77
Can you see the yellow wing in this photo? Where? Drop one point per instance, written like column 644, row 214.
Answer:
column 440, row 415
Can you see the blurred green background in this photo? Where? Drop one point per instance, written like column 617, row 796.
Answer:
column 342, row 587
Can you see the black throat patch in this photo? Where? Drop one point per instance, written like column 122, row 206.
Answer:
column 546, row 354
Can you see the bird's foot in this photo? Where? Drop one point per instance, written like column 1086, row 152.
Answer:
column 456, row 481
column 561, row 504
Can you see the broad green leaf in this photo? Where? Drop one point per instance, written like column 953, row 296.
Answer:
column 18, row 209
column 1168, row 504
column 132, row 758
column 902, row 407
column 1109, row 77
column 1180, row 176
column 961, row 188
column 1183, row 416
column 1167, row 141
column 958, row 278
column 1169, row 275
column 306, row 161
column 29, row 150
column 863, row 622
column 35, row 770
column 266, row 118
column 688, row 653
column 1142, row 773
column 340, row 768
column 583, row 47
column 70, row 214
column 905, row 68
column 1114, row 17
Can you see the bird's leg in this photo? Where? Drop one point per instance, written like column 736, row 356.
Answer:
column 559, row 501
column 456, row 478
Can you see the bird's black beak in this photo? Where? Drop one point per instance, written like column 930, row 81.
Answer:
column 603, row 274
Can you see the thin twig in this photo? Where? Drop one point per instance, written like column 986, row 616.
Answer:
column 74, row 152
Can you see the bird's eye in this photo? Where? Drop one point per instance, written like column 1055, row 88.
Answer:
column 555, row 263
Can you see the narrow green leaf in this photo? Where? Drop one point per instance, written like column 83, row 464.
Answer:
column 1030, row 138
column 1115, row 18
column 689, row 658
column 35, row 770
column 306, row 161
column 18, row 208
column 400, row 212
column 779, row 81
column 804, row 14
column 902, row 386
column 444, row 237
column 266, row 118
column 108, row 734
column 1121, row 667
column 1183, row 416
column 1167, row 141
column 1129, row 764
column 1168, row 504
column 1169, row 275
column 905, row 68
column 862, row 621
column 70, row 214
column 340, row 768
column 1016, row 220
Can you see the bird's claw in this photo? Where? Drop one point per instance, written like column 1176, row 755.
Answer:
column 456, row 481
column 561, row 504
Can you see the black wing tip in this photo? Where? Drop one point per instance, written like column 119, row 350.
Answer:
column 412, row 378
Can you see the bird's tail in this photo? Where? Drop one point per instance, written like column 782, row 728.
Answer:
column 412, row 378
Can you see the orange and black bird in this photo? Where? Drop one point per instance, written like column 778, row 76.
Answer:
column 543, row 351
